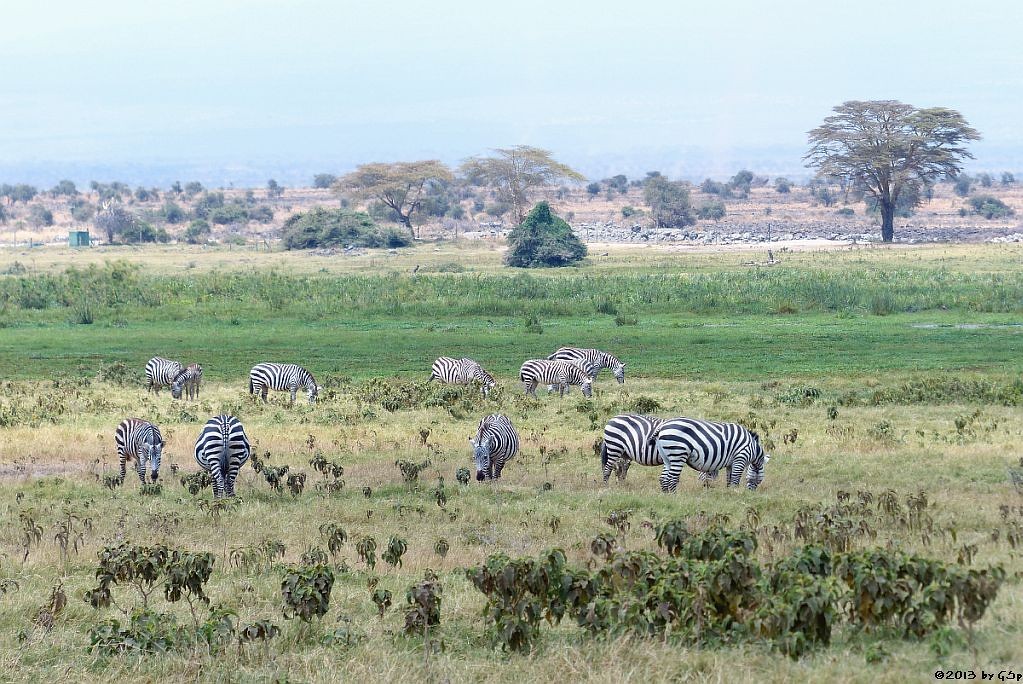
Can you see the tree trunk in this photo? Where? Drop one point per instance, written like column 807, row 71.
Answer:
column 887, row 220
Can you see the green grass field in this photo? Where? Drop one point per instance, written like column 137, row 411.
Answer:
column 895, row 369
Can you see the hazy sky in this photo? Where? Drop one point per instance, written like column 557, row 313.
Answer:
column 689, row 86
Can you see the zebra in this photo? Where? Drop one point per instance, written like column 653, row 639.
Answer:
column 221, row 450
column 140, row 440
column 559, row 373
column 598, row 359
column 461, row 372
column 187, row 380
column 160, row 372
column 708, row 447
column 496, row 442
column 282, row 376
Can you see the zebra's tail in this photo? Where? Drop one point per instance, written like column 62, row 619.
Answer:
column 653, row 436
column 251, row 389
column 603, row 454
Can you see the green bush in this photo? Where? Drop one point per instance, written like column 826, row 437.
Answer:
column 322, row 227
column 711, row 211
column 991, row 207
column 229, row 214
column 198, row 232
column 846, row 211
column 543, row 239
column 173, row 213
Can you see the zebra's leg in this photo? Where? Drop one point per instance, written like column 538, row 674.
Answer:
column 673, row 466
column 531, row 388
column 735, row 474
column 263, row 391
column 217, row 474
column 609, row 466
column 121, row 458
column 140, row 466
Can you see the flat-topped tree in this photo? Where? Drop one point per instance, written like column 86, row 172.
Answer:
column 402, row 186
column 887, row 147
column 515, row 172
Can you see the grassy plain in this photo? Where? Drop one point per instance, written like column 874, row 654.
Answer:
column 902, row 343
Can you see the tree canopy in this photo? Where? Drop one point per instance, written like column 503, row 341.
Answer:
column 669, row 202
column 401, row 186
column 543, row 239
column 886, row 147
column 515, row 172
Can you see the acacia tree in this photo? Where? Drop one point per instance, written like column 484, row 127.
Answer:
column 402, row 186
column 886, row 147
column 516, row 171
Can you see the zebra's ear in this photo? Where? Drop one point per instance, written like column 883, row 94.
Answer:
column 756, row 437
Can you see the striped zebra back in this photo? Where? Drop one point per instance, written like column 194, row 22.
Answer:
column 222, row 449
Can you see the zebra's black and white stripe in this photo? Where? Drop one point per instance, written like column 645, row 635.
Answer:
column 283, row 377
column 221, row 450
column 161, row 372
column 140, row 440
column 187, row 380
column 586, row 366
column 561, row 374
column 627, row 439
column 461, row 372
column 495, row 443
column 708, row 446
column 596, row 358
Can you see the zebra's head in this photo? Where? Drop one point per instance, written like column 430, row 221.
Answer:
column 481, row 456
column 314, row 391
column 619, row 373
column 587, row 388
column 178, row 384
column 150, row 453
column 758, row 460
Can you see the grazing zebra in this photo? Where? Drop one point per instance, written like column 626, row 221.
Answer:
column 495, row 443
column 221, row 450
column 595, row 357
column 558, row 373
column 282, row 376
column 461, row 372
column 140, row 440
column 708, row 447
column 188, row 380
column 160, row 372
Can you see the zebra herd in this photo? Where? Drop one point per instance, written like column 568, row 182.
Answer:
column 222, row 447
